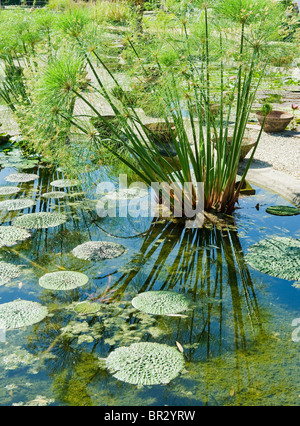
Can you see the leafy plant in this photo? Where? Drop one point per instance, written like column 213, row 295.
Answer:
column 195, row 148
column 283, row 210
column 98, row 250
column 63, row 280
column 145, row 363
column 277, row 256
column 21, row 313
column 11, row 235
column 160, row 302
column 21, row 177
column 40, row 220
column 8, row 272
column 9, row 190
column 18, row 204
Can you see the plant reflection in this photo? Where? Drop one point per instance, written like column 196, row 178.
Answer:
column 206, row 264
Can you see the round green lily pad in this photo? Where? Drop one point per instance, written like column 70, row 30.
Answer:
column 160, row 302
column 87, row 308
column 21, row 177
column 277, row 256
column 8, row 272
column 40, row 220
column 11, row 235
column 9, row 190
column 21, row 313
column 55, row 195
column 64, row 183
column 283, row 210
column 127, row 194
column 63, row 280
column 145, row 363
column 18, row 204
column 98, row 250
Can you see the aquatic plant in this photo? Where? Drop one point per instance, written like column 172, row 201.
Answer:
column 145, row 363
column 10, row 235
column 38, row 401
column 98, row 250
column 126, row 194
column 40, row 220
column 12, row 205
column 283, row 210
column 21, row 177
column 55, row 194
column 160, row 302
column 277, row 256
column 20, row 358
column 87, row 308
column 8, row 272
column 17, row 161
column 63, row 280
column 21, row 313
column 64, row 183
column 9, row 190
column 214, row 165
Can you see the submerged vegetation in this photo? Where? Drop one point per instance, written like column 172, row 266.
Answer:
column 96, row 310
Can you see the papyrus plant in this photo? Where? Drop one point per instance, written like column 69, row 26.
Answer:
column 203, row 153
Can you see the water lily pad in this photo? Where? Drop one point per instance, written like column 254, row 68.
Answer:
column 98, row 250
column 145, row 363
column 40, row 220
column 9, row 190
column 63, row 280
column 11, row 235
column 283, row 210
column 161, row 302
column 64, row 183
column 21, row 313
column 127, row 194
column 87, row 308
column 55, row 195
column 8, row 272
column 18, row 204
column 278, row 256
column 21, row 177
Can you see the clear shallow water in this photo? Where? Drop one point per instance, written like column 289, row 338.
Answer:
column 237, row 338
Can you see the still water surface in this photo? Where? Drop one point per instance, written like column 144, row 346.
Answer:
column 237, row 338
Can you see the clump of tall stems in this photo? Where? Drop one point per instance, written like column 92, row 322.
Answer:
column 186, row 93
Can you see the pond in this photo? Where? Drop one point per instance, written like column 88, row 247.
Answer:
column 236, row 336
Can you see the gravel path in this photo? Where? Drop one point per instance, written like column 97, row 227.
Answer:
column 279, row 150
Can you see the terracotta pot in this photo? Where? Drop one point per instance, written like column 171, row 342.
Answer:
column 213, row 108
column 276, row 121
column 246, row 146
